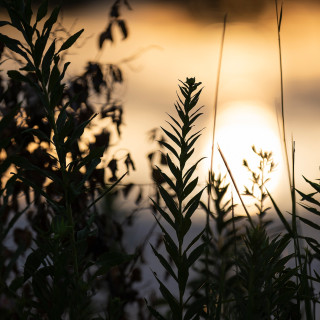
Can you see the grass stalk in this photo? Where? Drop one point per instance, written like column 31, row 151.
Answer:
column 296, row 241
column 279, row 20
column 235, row 186
column 210, row 174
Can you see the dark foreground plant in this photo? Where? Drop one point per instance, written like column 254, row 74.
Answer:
column 61, row 183
column 218, row 263
column 180, row 207
column 263, row 286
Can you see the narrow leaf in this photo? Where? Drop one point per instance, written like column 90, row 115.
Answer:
column 282, row 218
column 195, row 239
column 172, row 137
column 195, row 254
column 70, row 41
column 170, row 148
column 310, row 223
column 190, row 187
column 164, row 262
column 42, row 10
column 163, row 213
column 169, row 201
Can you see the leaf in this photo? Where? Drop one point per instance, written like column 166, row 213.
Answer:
column 39, row 47
column 108, row 190
column 164, row 262
column 38, row 133
column 33, row 262
column 29, row 67
column 169, row 147
column 183, row 274
column 190, row 187
column 313, row 244
column 193, row 204
column 195, row 239
column 171, row 300
column 42, row 11
column 172, row 137
column 175, row 121
column 123, row 28
column 62, row 117
column 51, row 20
column 316, row 186
column 308, row 197
column 96, row 159
column 27, row 10
column 184, row 228
column 311, row 209
column 126, row 2
column 193, row 119
column 282, row 218
column 176, row 131
column 310, row 223
column 46, row 62
column 106, row 35
column 77, row 133
column 54, row 78
column 70, row 41
column 172, row 249
column 114, row 12
column 172, row 206
column 154, row 312
column 65, row 67
column 16, row 75
column 4, row 23
column 163, row 213
column 167, row 179
column 174, row 170
column 14, row 45
column 195, row 254
column 193, row 141
column 56, row 206
column 189, row 173
column 94, row 154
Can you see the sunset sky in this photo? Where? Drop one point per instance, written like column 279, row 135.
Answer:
column 173, row 45
column 169, row 41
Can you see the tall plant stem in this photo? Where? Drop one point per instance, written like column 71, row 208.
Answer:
column 215, row 106
column 279, row 19
column 210, row 174
column 298, row 259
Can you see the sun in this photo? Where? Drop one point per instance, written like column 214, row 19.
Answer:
column 241, row 125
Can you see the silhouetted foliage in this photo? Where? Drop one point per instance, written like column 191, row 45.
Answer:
column 51, row 180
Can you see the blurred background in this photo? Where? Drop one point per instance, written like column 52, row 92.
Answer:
column 171, row 40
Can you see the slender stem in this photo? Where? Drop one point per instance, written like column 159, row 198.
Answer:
column 215, row 111
column 210, row 174
column 281, row 91
column 235, row 186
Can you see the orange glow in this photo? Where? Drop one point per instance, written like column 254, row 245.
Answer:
column 242, row 124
